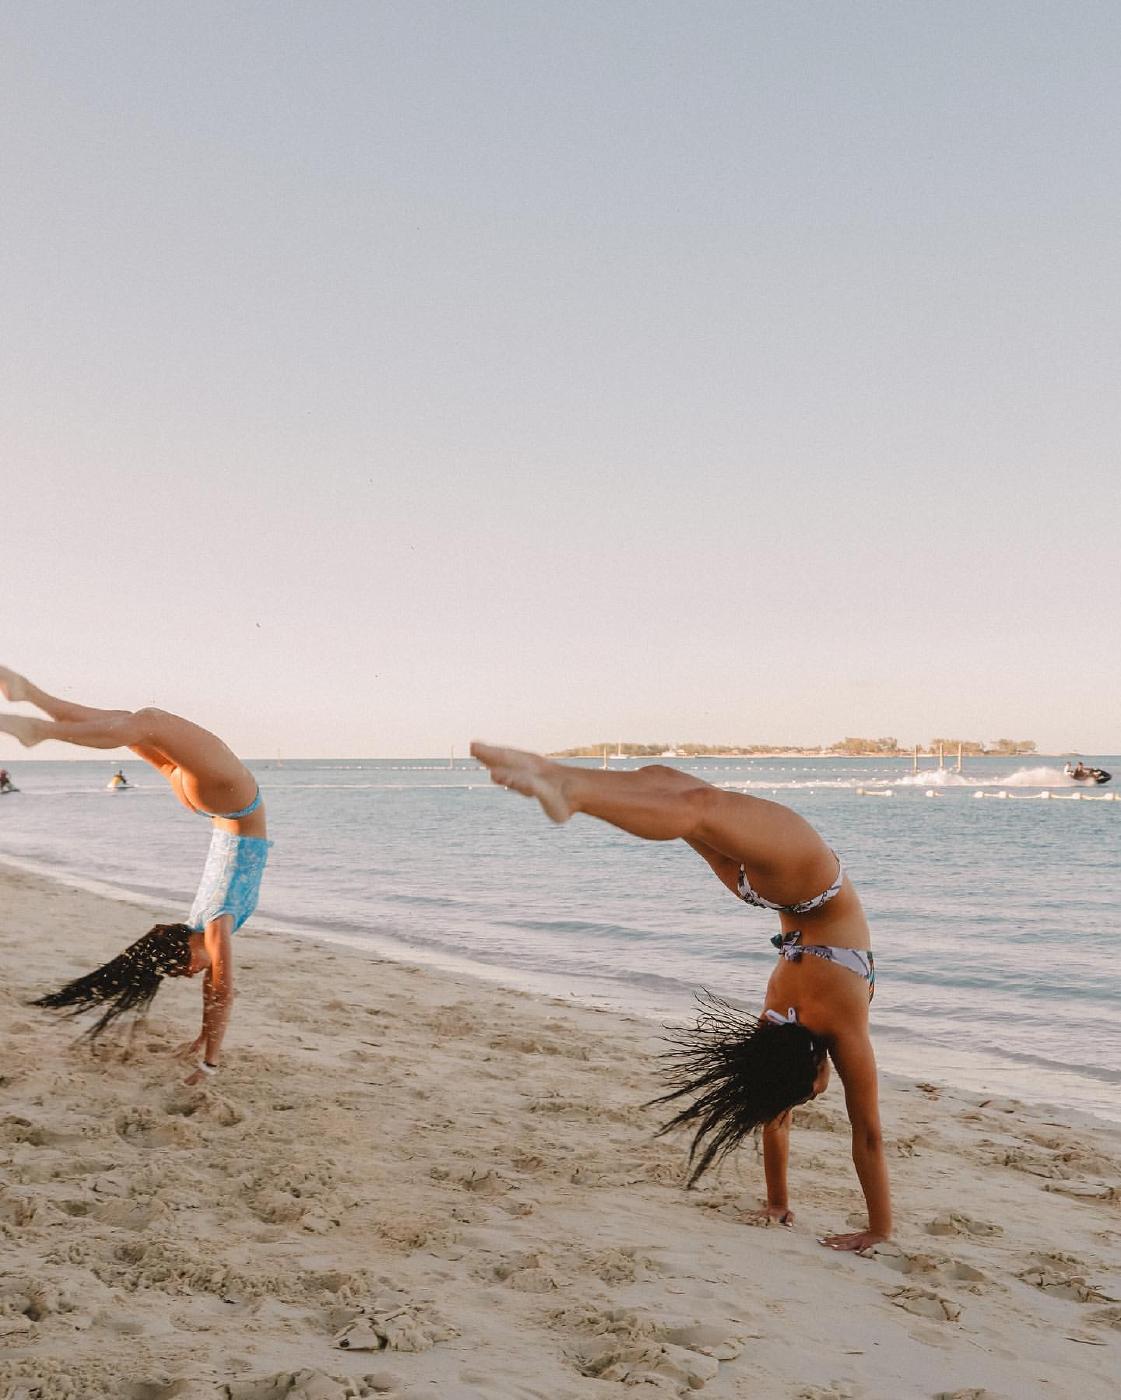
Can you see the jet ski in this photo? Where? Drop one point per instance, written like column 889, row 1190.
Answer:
column 116, row 784
column 1081, row 774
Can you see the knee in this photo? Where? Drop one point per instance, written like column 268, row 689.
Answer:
column 696, row 806
column 144, row 723
column 701, row 798
column 673, row 777
column 148, row 715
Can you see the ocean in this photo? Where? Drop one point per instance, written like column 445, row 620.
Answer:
column 993, row 894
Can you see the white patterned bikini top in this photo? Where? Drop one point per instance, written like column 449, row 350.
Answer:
column 790, row 945
column 804, row 906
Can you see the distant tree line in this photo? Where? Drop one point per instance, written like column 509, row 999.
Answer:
column 968, row 746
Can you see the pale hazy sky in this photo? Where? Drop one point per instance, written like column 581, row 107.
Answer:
column 378, row 375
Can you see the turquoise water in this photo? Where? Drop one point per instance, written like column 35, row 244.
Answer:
column 995, row 918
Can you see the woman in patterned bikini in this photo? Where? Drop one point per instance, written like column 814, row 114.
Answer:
column 735, row 1072
column 208, row 778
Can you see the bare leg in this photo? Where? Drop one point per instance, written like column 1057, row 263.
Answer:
column 664, row 804
column 203, row 772
column 15, row 687
column 109, row 732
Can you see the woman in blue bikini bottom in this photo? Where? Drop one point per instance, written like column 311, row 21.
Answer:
column 734, row 1072
column 208, row 778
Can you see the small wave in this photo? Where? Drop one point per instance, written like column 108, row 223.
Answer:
column 1043, row 776
column 382, row 787
column 938, row 777
column 790, row 784
column 1039, row 777
column 1103, row 1074
column 105, row 889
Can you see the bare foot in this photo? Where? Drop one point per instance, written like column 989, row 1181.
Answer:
column 13, row 686
column 529, row 774
column 27, row 730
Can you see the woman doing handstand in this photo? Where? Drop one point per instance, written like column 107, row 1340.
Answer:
column 208, row 778
column 735, row 1072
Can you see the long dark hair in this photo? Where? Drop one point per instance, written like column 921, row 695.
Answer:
column 127, row 982
column 740, row 1072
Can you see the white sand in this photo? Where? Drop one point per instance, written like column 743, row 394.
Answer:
column 461, row 1182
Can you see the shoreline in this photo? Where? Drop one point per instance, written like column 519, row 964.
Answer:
column 914, row 1059
column 463, row 1178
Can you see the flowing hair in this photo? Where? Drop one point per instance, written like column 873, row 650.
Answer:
column 127, row 982
column 740, row 1072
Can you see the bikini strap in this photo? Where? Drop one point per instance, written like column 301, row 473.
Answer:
column 245, row 811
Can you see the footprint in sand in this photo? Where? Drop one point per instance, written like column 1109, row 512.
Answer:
column 14, row 1129
column 937, row 1268
column 480, row 1181
column 819, row 1118
column 1063, row 1276
column 1107, row 1317
column 24, row 1301
column 667, row 1367
column 707, row 1339
column 485, row 1384
column 171, row 1390
column 528, row 1273
column 394, row 1322
column 952, row 1223
column 1085, row 1191
column 531, row 1043
column 409, row 1233
column 923, row 1302
column 21, row 1206
column 140, row 1126
column 584, row 1110
column 1026, row 1159
column 305, row 1385
column 674, row 1357
column 129, row 1214
column 185, row 1102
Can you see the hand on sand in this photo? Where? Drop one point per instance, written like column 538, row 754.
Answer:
column 529, row 774
column 860, row 1243
column 771, row 1215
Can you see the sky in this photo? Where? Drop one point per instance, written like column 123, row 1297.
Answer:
column 377, row 376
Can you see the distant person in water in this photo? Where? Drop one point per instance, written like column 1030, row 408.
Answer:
column 118, row 779
column 5, row 780
column 733, row 1072
column 207, row 778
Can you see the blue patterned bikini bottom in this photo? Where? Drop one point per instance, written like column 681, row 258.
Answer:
column 231, row 879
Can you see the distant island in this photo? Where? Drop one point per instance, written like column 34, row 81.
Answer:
column 843, row 748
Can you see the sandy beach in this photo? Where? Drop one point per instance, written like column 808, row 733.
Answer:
column 407, row 1184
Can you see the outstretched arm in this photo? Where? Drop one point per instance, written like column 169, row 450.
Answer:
column 856, row 1064
column 217, row 994
column 776, row 1152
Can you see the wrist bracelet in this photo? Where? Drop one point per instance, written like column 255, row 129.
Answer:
column 207, row 1067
